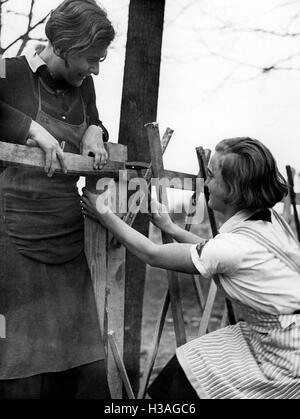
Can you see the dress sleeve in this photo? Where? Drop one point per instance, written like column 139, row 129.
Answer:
column 220, row 255
column 92, row 111
column 14, row 124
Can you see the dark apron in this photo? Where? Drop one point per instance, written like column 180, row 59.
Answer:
column 42, row 215
column 46, row 292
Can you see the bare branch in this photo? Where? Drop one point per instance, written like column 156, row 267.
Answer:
column 16, row 13
column 262, row 31
column 26, row 36
column 37, row 39
column 20, row 38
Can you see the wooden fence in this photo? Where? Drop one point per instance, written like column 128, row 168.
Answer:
column 106, row 258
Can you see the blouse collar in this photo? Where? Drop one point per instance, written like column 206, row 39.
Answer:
column 235, row 220
column 34, row 61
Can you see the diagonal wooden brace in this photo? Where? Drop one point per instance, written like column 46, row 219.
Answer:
column 173, row 283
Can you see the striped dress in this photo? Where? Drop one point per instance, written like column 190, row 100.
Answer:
column 258, row 358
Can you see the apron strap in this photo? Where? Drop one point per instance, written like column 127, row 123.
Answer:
column 272, row 247
column 285, row 226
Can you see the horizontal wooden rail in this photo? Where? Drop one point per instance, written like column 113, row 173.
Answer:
column 15, row 154
column 33, row 157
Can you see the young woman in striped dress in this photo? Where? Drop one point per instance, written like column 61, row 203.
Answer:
column 258, row 261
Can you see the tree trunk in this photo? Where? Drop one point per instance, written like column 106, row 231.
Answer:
column 139, row 106
column 0, row 27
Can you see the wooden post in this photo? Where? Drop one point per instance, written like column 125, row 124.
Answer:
column 107, row 264
column 139, row 106
column 290, row 176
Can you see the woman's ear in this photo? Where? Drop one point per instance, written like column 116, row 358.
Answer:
column 57, row 51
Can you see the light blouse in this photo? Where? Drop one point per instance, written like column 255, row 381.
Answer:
column 248, row 271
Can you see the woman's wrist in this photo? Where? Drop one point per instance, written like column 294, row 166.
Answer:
column 171, row 229
column 32, row 129
column 97, row 129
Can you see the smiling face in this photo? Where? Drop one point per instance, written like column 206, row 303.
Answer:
column 218, row 190
column 81, row 65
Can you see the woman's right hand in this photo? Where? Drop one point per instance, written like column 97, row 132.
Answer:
column 39, row 137
column 160, row 217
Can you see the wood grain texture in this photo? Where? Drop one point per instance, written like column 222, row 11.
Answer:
column 76, row 164
column 107, row 264
column 173, row 283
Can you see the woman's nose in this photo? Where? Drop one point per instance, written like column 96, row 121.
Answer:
column 94, row 69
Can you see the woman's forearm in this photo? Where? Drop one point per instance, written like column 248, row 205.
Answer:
column 183, row 236
column 134, row 241
column 173, row 256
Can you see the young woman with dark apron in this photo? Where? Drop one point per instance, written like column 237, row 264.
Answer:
column 53, row 346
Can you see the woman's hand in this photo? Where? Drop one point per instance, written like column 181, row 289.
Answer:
column 94, row 205
column 160, row 217
column 38, row 136
column 92, row 142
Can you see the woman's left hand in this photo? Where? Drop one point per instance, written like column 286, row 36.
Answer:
column 92, row 142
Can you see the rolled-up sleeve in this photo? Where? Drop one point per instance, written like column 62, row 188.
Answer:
column 220, row 255
column 196, row 251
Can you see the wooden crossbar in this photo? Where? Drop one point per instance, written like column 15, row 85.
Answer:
column 34, row 157
column 77, row 165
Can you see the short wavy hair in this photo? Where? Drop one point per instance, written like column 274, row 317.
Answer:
column 76, row 25
column 250, row 172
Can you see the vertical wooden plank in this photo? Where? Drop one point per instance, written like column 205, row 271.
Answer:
column 107, row 264
column 96, row 253
column 203, row 156
column 287, row 214
column 115, row 292
column 290, row 176
column 173, row 283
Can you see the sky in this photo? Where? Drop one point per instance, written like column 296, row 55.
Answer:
column 210, row 84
